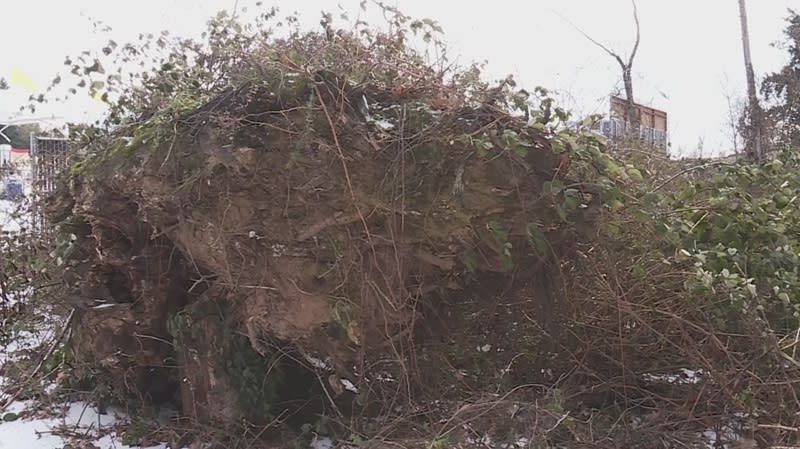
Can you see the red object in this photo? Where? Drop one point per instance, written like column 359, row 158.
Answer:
column 21, row 150
column 563, row 165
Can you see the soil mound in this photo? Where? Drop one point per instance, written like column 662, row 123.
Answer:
column 299, row 234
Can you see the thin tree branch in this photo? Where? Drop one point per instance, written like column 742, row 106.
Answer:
column 690, row 169
column 638, row 33
column 626, row 67
column 53, row 347
column 592, row 40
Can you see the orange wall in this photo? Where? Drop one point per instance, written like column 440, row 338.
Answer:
column 648, row 117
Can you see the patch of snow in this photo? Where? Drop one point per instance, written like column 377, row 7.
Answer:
column 385, row 377
column 724, row 438
column 112, row 441
column 321, row 443
column 384, row 124
column 349, row 385
column 318, row 363
column 78, row 416
column 104, row 306
column 682, row 377
column 278, row 250
column 23, row 341
column 34, row 434
column 82, row 414
column 485, row 440
column 8, row 222
column 519, row 443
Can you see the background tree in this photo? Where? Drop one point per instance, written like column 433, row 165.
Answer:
column 736, row 110
column 626, row 64
column 20, row 135
column 781, row 90
column 754, row 128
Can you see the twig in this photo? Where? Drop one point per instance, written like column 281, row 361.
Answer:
column 611, row 52
column 328, row 395
column 346, row 171
column 56, row 342
column 778, row 427
column 683, row 172
column 336, row 220
column 171, row 145
column 558, row 423
column 153, row 337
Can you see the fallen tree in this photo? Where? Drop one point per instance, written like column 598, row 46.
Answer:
column 245, row 278
column 295, row 219
column 327, row 227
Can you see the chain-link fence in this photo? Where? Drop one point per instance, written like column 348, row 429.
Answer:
column 618, row 131
column 49, row 158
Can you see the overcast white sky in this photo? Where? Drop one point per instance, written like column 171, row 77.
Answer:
column 690, row 55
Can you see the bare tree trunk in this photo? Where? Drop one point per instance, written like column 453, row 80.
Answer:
column 631, row 113
column 753, row 147
column 627, row 77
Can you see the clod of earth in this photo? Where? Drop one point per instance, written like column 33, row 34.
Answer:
column 280, row 215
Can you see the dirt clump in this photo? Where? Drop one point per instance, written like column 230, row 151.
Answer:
column 349, row 226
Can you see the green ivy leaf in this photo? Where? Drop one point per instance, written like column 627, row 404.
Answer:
column 552, row 187
column 557, row 146
column 635, row 174
column 561, row 213
column 505, row 257
column 571, row 200
column 537, row 239
column 651, row 199
column 470, row 260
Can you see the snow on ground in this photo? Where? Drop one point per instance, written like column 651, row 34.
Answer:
column 78, row 417
column 683, row 376
column 8, row 222
column 322, row 443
